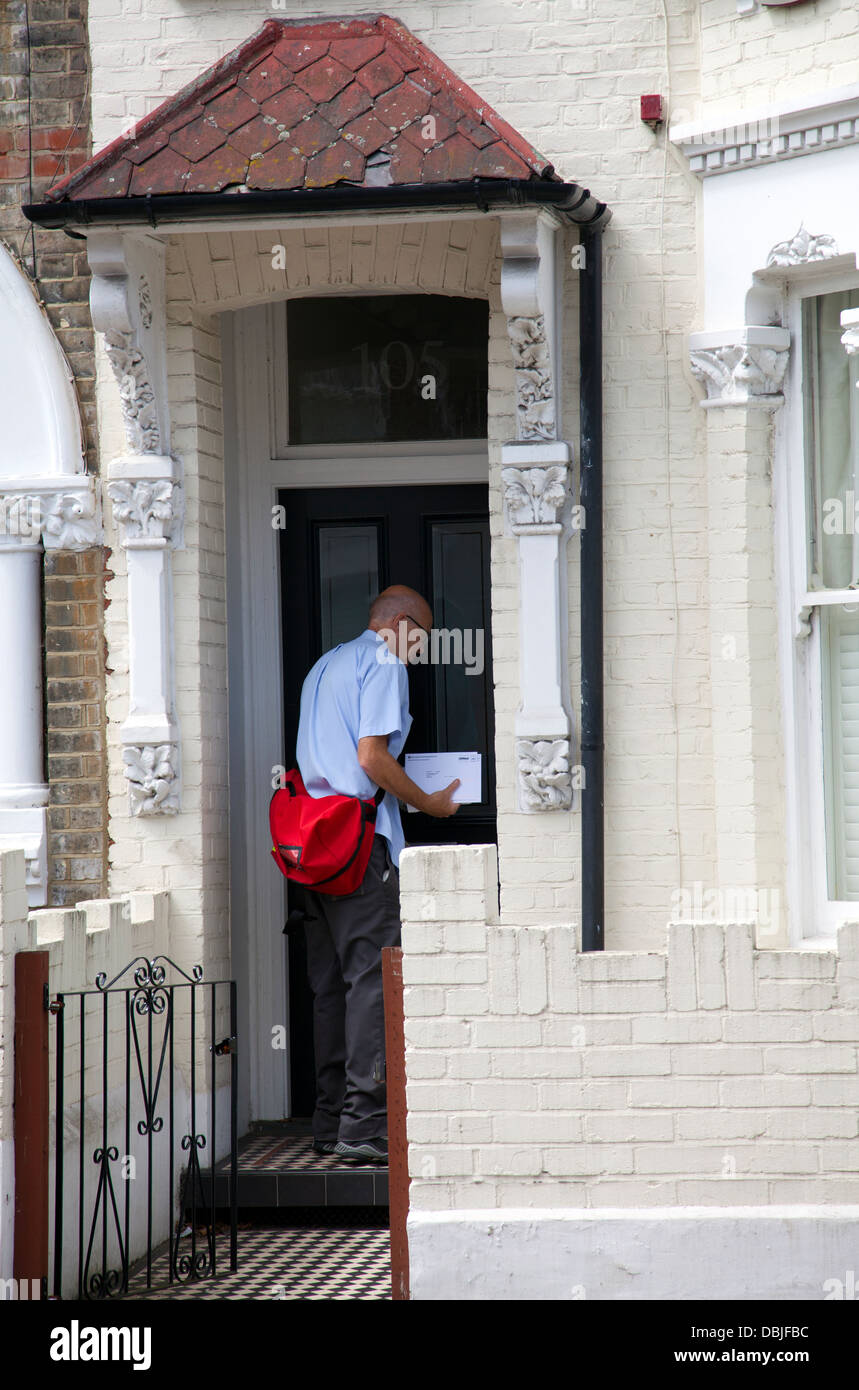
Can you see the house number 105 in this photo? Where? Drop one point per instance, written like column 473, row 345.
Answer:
column 396, row 366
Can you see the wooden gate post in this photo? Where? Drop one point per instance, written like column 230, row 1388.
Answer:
column 30, row 1257
column 398, row 1148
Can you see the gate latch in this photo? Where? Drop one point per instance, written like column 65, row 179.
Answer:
column 52, row 1006
column 223, row 1048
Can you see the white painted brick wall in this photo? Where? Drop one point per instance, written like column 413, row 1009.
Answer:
column 570, row 81
column 657, row 1089
column 693, row 762
column 775, row 54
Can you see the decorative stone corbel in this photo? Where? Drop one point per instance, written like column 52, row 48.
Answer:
column 545, row 779
column 144, row 487
column 745, row 366
column 528, row 298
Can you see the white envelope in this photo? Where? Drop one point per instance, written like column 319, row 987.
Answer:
column 434, row 771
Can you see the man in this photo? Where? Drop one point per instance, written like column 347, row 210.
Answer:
column 353, row 723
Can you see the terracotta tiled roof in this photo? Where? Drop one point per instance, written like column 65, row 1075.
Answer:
column 356, row 102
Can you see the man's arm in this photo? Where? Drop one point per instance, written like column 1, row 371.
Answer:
column 385, row 771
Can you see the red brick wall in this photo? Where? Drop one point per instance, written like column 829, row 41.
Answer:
column 45, row 133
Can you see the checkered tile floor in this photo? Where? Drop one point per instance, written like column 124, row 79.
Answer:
column 318, row 1256
column 277, row 1154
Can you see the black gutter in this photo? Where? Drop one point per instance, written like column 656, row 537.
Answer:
column 591, row 562
column 575, row 202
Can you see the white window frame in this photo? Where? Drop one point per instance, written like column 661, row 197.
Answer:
column 812, row 913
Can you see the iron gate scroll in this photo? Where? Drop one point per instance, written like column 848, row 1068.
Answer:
column 153, row 1041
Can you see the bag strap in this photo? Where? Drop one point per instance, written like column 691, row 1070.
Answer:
column 377, row 799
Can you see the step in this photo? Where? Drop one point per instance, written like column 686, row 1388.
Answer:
column 280, row 1169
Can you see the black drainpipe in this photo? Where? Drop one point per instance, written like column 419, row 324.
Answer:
column 591, row 553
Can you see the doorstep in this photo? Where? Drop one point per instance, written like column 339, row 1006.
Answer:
column 278, row 1168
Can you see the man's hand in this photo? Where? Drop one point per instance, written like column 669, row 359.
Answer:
column 383, row 768
column 441, row 803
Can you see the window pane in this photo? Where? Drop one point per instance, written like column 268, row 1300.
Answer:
column 840, row 647
column 348, row 580
column 832, row 442
column 387, row 367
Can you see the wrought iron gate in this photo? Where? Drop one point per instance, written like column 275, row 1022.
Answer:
column 151, row 1038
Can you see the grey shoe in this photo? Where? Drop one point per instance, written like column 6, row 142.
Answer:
column 324, row 1146
column 365, row 1150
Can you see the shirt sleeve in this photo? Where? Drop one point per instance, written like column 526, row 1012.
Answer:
column 383, row 698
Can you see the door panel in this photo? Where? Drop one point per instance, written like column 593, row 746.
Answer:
column 348, row 573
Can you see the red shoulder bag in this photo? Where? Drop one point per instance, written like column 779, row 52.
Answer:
column 321, row 842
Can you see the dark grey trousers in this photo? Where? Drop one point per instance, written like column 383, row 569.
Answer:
column 345, row 936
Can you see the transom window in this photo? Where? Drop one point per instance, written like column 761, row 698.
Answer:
column 381, row 368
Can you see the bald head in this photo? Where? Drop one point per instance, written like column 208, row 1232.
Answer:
column 397, row 601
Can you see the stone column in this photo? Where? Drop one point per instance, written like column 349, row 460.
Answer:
column 128, row 306
column 536, row 478
column 23, row 790
column 743, row 372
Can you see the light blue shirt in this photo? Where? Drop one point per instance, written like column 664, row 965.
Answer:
column 349, row 694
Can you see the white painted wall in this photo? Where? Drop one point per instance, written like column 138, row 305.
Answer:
column 679, row 1123
column 710, row 1073
column 784, row 1254
column 541, row 69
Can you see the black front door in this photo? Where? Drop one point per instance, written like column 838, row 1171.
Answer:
column 339, row 548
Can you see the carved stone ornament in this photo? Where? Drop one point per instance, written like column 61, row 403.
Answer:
column 65, row 519
column 144, row 302
column 545, row 779
column 535, row 397
column 152, row 775
column 534, row 496
column 739, row 374
column 147, row 507
column 802, row 248
column 139, row 409
column 69, row 521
